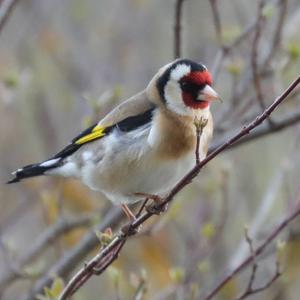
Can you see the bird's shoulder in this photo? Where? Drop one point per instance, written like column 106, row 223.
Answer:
column 127, row 116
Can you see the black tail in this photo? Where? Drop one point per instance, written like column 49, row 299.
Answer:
column 51, row 163
column 34, row 170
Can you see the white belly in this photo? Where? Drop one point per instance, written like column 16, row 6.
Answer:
column 130, row 165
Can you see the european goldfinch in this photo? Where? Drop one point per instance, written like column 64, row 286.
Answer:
column 146, row 144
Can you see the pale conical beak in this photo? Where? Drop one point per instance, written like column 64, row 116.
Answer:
column 208, row 94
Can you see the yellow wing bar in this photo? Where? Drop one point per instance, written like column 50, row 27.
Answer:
column 97, row 132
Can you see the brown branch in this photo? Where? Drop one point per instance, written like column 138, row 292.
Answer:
column 61, row 227
column 254, row 263
column 6, row 8
column 100, row 260
column 141, row 290
column 177, row 28
column 286, row 122
column 250, row 291
column 225, row 50
column 217, row 21
column 277, row 33
column 254, row 56
column 68, row 262
column 275, row 232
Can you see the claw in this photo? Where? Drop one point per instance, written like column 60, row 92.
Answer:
column 128, row 230
column 156, row 209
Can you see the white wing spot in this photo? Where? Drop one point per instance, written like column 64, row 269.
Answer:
column 50, row 162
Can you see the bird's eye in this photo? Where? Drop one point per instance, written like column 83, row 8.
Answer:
column 189, row 87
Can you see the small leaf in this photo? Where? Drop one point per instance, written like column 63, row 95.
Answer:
column 176, row 274
column 293, row 50
column 268, row 10
column 104, row 237
column 208, row 230
column 234, row 68
column 230, row 33
column 11, row 79
column 204, row 266
column 114, row 275
column 57, row 287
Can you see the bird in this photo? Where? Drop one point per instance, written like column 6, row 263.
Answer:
column 146, row 144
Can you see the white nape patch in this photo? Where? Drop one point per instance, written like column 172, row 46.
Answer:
column 87, row 155
column 50, row 162
column 180, row 71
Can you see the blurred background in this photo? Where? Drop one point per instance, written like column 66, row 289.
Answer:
column 65, row 64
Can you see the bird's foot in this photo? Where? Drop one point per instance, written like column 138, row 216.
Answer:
column 127, row 229
column 157, row 199
column 156, row 208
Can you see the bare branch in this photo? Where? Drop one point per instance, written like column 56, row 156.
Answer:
column 251, row 291
column 217, row 21
column 275, row 232
column 62, row 226
column 177, row 28
column 289, row 120
column 141, row 290
column 6, row 8
column 110, row 252
column 254, row 56
column 278, row 32
column 66, row 264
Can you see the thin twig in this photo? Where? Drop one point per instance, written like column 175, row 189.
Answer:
column 217, row 21
column 83, row 274
column 6, row 9
column 141, row 290
column 275, row 232
column 277, row 33
column 286, row 122
column 254, row 262
column 52, row 233
column 251, row 291
column 177, row 28
column 72, row 258
column 254, row 55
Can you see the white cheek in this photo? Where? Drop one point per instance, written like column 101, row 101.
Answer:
column 174, row 98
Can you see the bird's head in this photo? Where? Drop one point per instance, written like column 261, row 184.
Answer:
column 184, row 86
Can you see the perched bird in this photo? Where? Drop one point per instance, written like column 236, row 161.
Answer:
column 146, row 144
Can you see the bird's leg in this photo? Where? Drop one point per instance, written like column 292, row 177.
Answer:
column 155, row 208
column 144, row 204
column 127, row 229
column 129, row 214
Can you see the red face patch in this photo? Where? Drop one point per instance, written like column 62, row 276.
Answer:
column 199, row 78
column 195, row 81
column 190, row 101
